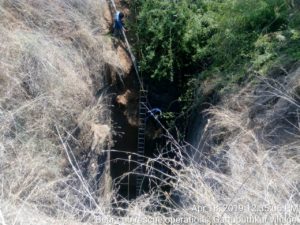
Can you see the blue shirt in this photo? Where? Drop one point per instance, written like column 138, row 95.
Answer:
column 118, row 22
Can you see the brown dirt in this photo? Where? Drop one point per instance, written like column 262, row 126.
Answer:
column 129, row 100
column 124, row 98
column 124, row 60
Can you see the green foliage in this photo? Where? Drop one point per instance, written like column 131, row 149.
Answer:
column 215, row 40
column 173, row 36
column 187, row 36
column 240, row 24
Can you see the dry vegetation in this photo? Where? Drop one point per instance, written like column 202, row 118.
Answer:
column 52, row 62
column 251, row 175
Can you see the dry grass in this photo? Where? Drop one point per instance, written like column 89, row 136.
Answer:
column 247, row 179
column 52, row 62
column 51, row 65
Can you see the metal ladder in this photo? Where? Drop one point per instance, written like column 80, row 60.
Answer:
column 141, row 141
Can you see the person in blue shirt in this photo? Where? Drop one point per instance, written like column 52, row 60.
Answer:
column 155, row 112
column 118, row 24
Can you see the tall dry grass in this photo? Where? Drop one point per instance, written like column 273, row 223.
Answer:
column 252, row 176
column 52, row 62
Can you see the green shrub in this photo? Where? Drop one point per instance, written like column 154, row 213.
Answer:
column 173, row 36
column 196, row 38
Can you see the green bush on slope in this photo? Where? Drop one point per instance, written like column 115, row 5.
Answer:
column 172, row 37
column 206, row 38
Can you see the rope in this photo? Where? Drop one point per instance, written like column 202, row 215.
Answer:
column 133, row 59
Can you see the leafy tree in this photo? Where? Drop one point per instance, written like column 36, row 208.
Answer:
column 215, row 40
column 173, row 36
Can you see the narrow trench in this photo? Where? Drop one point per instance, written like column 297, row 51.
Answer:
column 161, row 95
column 125, row 142
column 126, row 139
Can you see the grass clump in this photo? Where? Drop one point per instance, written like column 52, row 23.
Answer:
column 52, row 64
